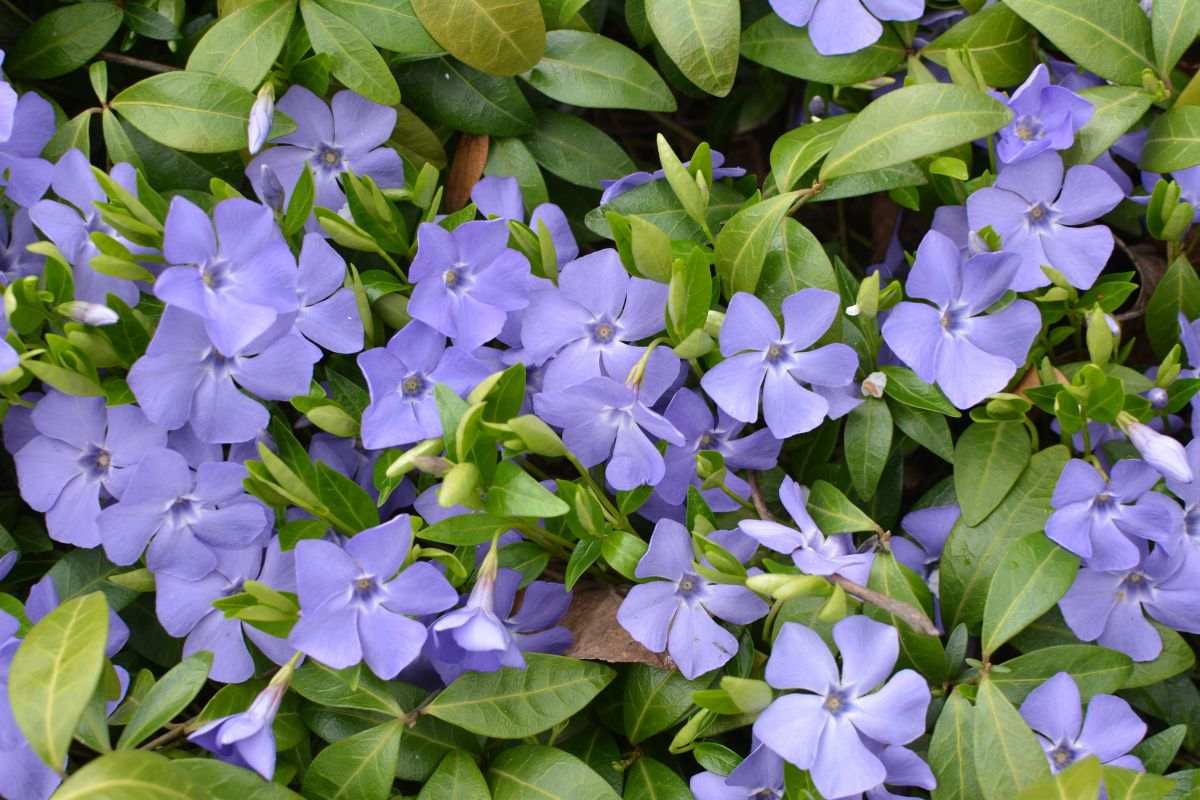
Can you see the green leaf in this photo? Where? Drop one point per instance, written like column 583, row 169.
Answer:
column 952, row 751
column 1109, row 37
column 226, row 780
column 973, row 553
column 912, row 122
column 593, row 71
column 1174, row 141
column 515, row 493
column 63, row 40
column 349, row 506
column 799, row 150
column 466, row 99
column 465, row 529
column 834, row 513
column 988, row 459
column 1007, row 754
column 354, row 687
column 1125, row 784
column 242, row 47
column 456, row 778
column 744, row 241
column 649, row 779
column 1096, row 670
column 1173, row 27
column 926, row 428
column 534, row 770
column 511, row 158
column 1176, row 657
column 359, row 767
column 72, row 134
column 689, row 295
column 867, row 442
column 656, row 202
column 1178, row 291
column 1081, row 779
column 55, row 672
column 576, row 151
column 796, row 260
column 1032, row 577
column 166, row 698
column 654, row 700
column 355, row 61
column 701, row 37
column 514, row 703
column 904, row 386
column 1115, row 110
column 189, row 111
column 997, row 40
column 390, row 24
column 1158, row 751
column 81, row 572
column 502, row 37
column 891, row 578
column 785, row 48
column 133, row 775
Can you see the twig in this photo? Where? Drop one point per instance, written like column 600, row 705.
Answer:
column 914, row 617
column 176, row 732
column 139, row 63
column 13, row 8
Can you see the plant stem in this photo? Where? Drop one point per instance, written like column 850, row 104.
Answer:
column 139, row 63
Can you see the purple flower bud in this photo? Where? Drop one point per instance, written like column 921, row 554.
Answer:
column 247, row 739
column 1162, row 452
column 260, row 118
column 1158, row 398
column 271, row 190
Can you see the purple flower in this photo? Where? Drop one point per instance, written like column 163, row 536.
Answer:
column 1107, row 607
column 1036, row 215
column 185, row 608
column 328, row 310
column 9, row 359
column 1045, row 118
column 1161, row 452
column 826, row 730
column 23, row 774
column 8, row 105
column 1109, row 731
column 24, row 174
column 355, row 607
column 501, row 197
column 929, row 528
column 601, row 418
column 246, row 739
column 837, row 27
column 811, row 550
column 467, row 280
column 342, row 455
column 401, row 377
column 15, row 260
column 81, row 452
column 676, row 613
column 758, row 777
column 1189, row 493
column 586, row 326
column 1094, row 518
column 69, row 225
column 261, row 113
column 330, row 142
column 968, row 353
column 183, row 378
column 758, row 359
column 615, row 188
column 182, row 515
column 235, row 272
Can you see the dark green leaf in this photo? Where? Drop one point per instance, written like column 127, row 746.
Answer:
column 502, row 37
column 1030, row 579
column 534, row 770
column 988, row 459
column 867, row 441
column 63, row 40
column 701, row 37
column 1109, row 37
column 593, row 71
column 169, row 696
column 189, row 111
column 359, row 767
column 575, row 150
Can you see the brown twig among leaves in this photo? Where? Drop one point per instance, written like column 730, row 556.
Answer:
column 138, row 63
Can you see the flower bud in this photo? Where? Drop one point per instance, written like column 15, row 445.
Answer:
column 874, row 385
column 272, row 190
column 88, row 313
column 1161, row 452
column 260, row 118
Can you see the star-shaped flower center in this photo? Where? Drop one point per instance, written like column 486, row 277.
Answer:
column 413, row 385
column 95, row 461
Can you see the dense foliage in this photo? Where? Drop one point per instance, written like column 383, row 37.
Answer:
column 374, row 428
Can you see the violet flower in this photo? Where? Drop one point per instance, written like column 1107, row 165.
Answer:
column 356, row 602
column 501, row 198
column 16, row 235
column 342, row 455
column 758, row 777
column 676, row 613
column 968, row 353
column 759, row 359
column 183, row 378
column 929, row 528
column 82, row 451
column 23, row 774
column 328, row 313
column 467, row 280
column 247, row 739
column 1189, row 493
column 826, row 729
column 1109, row 730
column 1159, row 451
column 837, row 27
column 24, row 174
column 627, row 183
column 8, row 105
column 1041, row 217
column 1045, row 117
column 587, row 325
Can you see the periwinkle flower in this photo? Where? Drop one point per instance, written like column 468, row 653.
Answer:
column 345, row 457
column 401, row 378
column 467, row 280
column 183, row 516
column 758, row 777
column 968, row 353
column 15, row 236
column 837, row 27
column 9, row 358
column 585, row 327
column 259, row 124
column 1109, row 730
column 501, row 197
column 627, row 183
column 1041, row 217
column 8, row 105
column 829, row 729
column 1094, row 518
column 1159, row 451
column 183, row 377
column 676, row 612
column 1107, row 607
column 603, row 419
column 247, row 739
column 82, row 451
column 356, row 602
column 328, row 312
column 24, row 174
column 347, row 134
column 235, row 271
column 185, row 609
column 761, row 359
column 1189, row 493
column 69, row 225
column 1045, row 117
column 929, row 528
column 811, row 550
column 23, row 774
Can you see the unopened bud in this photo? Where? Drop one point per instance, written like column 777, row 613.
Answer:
column 260, row 118
column 874, row 385
column 88, row 313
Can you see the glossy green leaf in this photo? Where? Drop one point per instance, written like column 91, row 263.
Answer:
column 593, row 71
column 952, row 751
column 466, row 99
column 354, row 60
column 1031, row 578
column 62, row 40
column 511, row 158
column 1007, row 755
column 575, row 150
column 1173, row 27
column 242, row 47
column 1109, row 37
column 390, row 24
column 1174, row 141
column 1115, row 110
column 650, row 779
column 918, row 650
column 1081, row 779
column 927, row 428
column 1096, row 670
column 134, row 775
column 785, row 48
column 654, row 699
column 502, row 37
column 169, row 696
column 1125, row 784
column 189, row 111
column 359, row 767
column 744, row 241
column 658, row 204
column 226, row 780
column 456, row 778
column 997, row 40
column 515, row 493
column 867, row 441
column 534, row 770
column 701, row 37
column 796, row 260
column 354, row 687
column 800, row 149
column 988, row 459
column 1177, row 292
column 1175, row 657
column 1158, row 751
column 834, row 512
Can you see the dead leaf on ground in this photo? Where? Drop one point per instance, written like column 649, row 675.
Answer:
column 592, row 620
